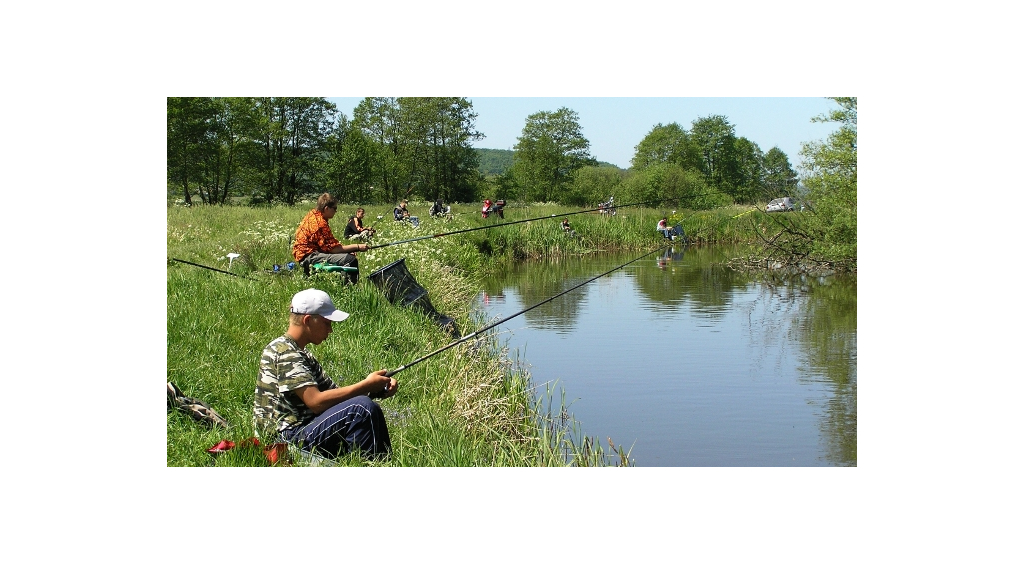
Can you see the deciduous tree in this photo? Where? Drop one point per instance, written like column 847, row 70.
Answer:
column 715, row 140
column 549, row 151
column 669, row 181
column 666, row 144
column 380, row 120
column 422, row 146
column 828, row 233
column 191, row 139
column 749, row 177
column 831, row 177
column 592, row 184
column 441, row 131
column 347, row 171
column 779, row 177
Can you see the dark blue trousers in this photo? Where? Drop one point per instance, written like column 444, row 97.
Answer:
column 355, row 423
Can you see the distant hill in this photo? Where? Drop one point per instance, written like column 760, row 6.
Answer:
column 496, row 161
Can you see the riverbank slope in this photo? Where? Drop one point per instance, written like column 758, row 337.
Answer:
column 469, row 406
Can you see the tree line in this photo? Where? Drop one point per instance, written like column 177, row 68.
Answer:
column 704, row 167
column 275, row 150
column 268, row 150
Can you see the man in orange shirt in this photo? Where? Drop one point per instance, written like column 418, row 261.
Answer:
column 315, row 243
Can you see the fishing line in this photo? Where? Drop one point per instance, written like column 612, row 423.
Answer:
column 211, row 268
column 745, row 213
column 436, row 235
column 499, row 322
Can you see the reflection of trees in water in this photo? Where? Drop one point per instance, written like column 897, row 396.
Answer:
column 707, row 288
column 546, row 279
column 827, row 331
column 821, row 317
column 768, row 317
column 698, row 277
column 705, row 282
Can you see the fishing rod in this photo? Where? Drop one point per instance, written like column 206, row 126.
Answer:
column 211, row 268
column 499, row 322
column 436, row 235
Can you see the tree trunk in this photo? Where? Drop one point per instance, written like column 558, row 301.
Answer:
column 184, row 180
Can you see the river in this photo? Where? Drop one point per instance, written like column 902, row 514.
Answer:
column 686, row 362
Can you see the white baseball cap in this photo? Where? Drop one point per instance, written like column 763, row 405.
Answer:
column 317, row 302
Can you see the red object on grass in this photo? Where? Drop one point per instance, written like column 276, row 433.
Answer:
column 220, row 447
column 273, row 452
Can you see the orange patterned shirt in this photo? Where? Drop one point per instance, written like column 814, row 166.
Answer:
column 313, row 234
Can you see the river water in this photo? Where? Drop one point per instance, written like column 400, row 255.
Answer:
column 687, row 362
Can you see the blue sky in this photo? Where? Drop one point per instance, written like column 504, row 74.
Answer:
column 614, row 126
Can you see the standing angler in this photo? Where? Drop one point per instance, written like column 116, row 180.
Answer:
column 315, row 243
column 296, row 401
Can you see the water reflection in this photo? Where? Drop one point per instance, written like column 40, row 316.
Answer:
column 756, row 371
column 534, row 285
column 827, row 332
column 668, row 255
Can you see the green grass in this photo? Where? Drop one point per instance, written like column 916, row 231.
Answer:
column 468, row 406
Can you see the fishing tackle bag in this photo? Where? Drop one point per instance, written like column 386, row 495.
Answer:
column 198, row 410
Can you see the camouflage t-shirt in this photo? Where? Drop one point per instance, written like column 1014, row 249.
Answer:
column 284, row 367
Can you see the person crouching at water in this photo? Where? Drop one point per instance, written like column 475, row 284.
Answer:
column 354, row 228
column 296, row 401
column 315, row 243
column 567, row 228
column 663, row 227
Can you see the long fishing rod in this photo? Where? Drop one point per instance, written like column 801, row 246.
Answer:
column 499, row 322
column 211, row 268
column 436, row 235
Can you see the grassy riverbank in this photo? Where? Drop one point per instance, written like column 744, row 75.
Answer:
column 469, row 406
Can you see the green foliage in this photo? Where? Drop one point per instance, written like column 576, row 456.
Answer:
column 749, row 179
column 269, row 150
column 779, row 177
column 347, row 169
column 494, row 161
column 731, row 166
column 666, row 144
column 549, row 152
column 193, row 146
column 669, row 180
column 714, row 138
column 832, row 182
column 829, row 237
column 444, row 162
column 422, row 147
column 284, row 144
column 264, row 148
column 379, row 119
column 591, row 185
